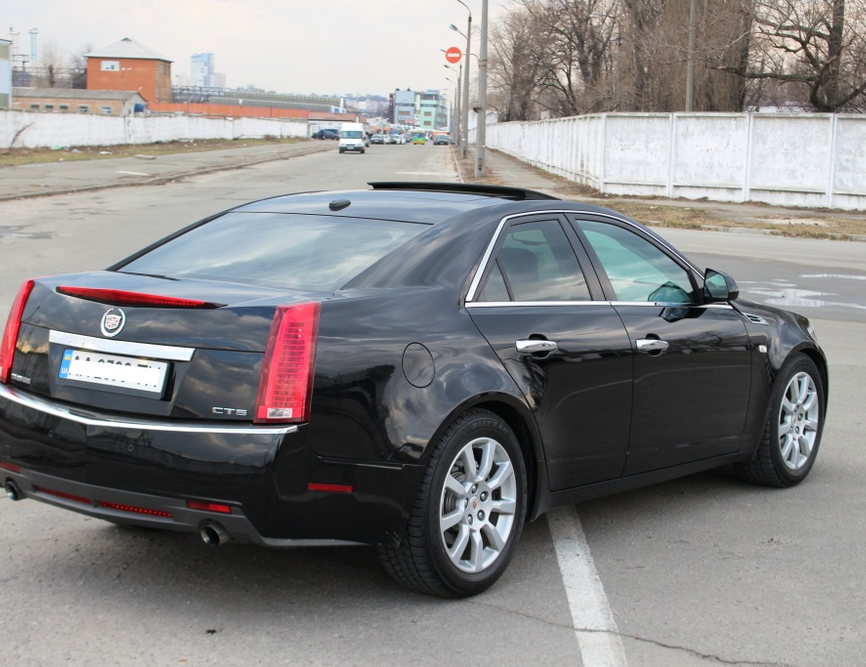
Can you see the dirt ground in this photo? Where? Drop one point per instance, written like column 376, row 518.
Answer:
column 13, row 157
column 702, row 214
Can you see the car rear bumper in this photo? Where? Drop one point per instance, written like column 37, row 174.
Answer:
column 146, row 510
column 268, row 485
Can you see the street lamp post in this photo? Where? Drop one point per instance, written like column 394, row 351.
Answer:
column 465, row 143
column 458, row 122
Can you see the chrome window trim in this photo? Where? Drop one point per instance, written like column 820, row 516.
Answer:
column 474, row 285
column 653, row 304
column 81, row 342
column 77, row 416
column 485, row 260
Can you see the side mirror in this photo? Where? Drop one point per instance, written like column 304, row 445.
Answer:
column 719, row 286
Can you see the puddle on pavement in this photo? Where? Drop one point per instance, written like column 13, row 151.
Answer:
column 17, row 232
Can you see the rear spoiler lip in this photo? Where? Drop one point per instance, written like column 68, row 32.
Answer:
column 505, row 192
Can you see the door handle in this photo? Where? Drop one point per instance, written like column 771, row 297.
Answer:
column 534, row 346
column 652, row 345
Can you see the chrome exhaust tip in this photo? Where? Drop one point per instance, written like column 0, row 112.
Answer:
column 214, row 535
column 12, row 490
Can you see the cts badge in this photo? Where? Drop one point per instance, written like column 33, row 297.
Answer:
column 112, row 322
column 240, row 412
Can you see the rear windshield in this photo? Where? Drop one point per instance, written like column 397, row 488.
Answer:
column 276, row 249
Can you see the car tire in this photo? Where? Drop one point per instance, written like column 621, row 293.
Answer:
column 341, row 151
column 463, row 531
column 792, row 433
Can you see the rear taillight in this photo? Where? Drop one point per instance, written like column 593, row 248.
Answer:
column 115, row 297
column 10, row 333
column 286, row 385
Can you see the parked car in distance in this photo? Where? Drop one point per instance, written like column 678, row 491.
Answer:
column 326, row 133
column 377, row 139
column 442, row 140
column 423, row 367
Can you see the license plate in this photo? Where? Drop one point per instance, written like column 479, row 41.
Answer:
column 126, row 374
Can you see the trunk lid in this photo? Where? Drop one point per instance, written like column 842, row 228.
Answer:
column 145, row 345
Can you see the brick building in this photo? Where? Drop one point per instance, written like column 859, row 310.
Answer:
column 130, row 66
column 71, row 100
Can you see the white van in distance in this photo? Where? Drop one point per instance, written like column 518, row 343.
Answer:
column 352, row 137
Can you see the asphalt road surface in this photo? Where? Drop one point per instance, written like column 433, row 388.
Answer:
column 704, row 570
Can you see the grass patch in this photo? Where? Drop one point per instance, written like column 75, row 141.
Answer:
column 657, row 212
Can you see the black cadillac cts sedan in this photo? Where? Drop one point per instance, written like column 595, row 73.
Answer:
column 422, row 367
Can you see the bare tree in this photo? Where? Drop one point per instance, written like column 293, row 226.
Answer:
column 655, row 54
column 817, row 47
column 513, row 72
column 50, row 63
column 639, row 29
column 569, row 57
column 571, row 54
column 78, row 66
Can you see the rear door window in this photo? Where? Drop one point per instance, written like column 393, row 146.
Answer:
column 535, row 262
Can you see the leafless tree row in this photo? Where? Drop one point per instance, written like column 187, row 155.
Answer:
column 551, row 58
column 53, row 69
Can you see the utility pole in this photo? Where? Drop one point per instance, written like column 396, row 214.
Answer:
column 481, row 132
column 690, row 64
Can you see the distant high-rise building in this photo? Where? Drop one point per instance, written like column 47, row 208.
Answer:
column 201, row 70
column 5, row 74
column 404, row 108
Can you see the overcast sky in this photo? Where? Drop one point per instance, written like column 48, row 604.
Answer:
column 293, row 46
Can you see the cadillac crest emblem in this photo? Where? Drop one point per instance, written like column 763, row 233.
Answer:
column 112, row 322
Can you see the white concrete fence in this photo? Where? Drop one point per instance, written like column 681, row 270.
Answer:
column 37, row 129
column 811, row 160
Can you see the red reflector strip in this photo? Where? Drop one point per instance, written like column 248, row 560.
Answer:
column 112, row 506
column 11, row 467
column 123, row 298
column 208, row 507
column 134, row 510
column 330, row 488
column 64, row 495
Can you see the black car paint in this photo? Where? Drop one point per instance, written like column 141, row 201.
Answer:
column 400, row 355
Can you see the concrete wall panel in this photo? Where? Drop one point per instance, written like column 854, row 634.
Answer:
column 791, row 152
column 637, row 149
column 710, row 151
column 850, row 156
